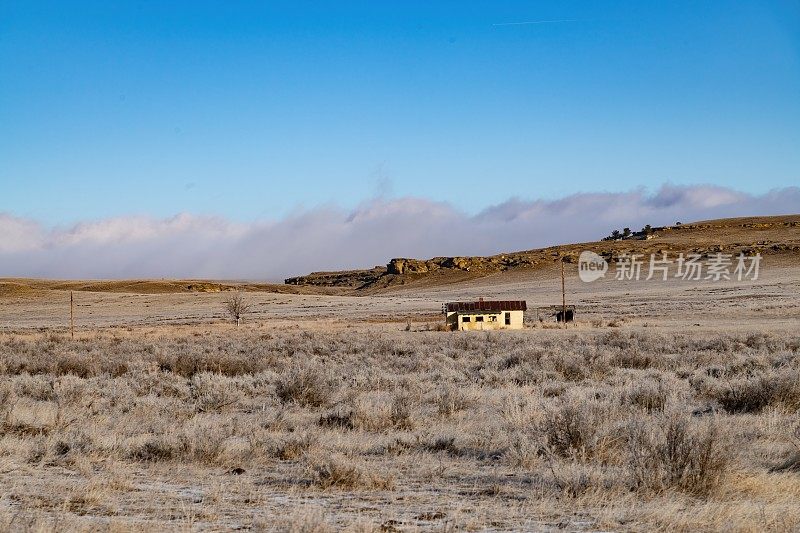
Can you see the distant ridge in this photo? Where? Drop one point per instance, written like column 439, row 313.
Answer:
column 776, row 236
column 750, row 235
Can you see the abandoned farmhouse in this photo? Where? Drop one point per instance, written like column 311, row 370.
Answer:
column 485, row 314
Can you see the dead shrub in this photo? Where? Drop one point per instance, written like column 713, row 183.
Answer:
column 450, row 400
column 443, row 443
column 213, row 393
column 203, row 440
column 294, row 447
column 572, row 367
column 790, row 464
column 340, row 417
column 156, row 448
column 568, row 430
column 633, row 357
column 311, row 520
column 522, row 451
column 76, row 364
column 671, row 454
column 35, row 387
column 187, row 361
column 649, row 395
column 342, row 473
column 575, row 479
column 402, row 408
column 305, row 385
column 752, row 394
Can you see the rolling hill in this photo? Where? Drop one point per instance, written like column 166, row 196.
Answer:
column 769, row 236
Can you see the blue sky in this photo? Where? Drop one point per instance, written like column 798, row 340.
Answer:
column 253, row 111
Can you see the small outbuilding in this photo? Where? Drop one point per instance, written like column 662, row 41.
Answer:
column 485, row 314
column 556, row 311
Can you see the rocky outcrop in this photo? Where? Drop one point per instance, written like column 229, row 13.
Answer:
column 401, row 265
column 346, row 278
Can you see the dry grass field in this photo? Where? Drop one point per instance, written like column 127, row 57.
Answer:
column 217, row 428
column 667, row 406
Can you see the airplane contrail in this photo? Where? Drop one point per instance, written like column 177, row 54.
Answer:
column 533, row 22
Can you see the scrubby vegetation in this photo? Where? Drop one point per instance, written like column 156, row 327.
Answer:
column 612, row 429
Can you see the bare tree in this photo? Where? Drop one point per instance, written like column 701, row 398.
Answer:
column 237, row 307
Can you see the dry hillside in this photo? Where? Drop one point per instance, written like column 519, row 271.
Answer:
column 774, row 236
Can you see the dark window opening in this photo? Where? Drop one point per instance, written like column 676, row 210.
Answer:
column 478, row 319
column 465, row 319
column 508, row 319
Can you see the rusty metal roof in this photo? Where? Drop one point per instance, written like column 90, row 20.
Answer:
column 487, row 305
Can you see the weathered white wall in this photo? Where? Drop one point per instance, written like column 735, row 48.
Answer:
column 455, row 321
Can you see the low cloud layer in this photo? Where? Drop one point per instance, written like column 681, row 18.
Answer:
column 330, row 238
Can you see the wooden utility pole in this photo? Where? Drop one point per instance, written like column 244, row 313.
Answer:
column 563, row 296
column 71, row 315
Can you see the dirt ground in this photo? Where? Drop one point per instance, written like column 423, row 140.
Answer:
column 769, row 302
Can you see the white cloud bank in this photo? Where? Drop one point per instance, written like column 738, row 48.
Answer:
column 329, row 238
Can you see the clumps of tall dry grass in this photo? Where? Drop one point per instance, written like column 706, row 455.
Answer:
column 442, row 443
column 347, row 473
column 648, row 394
column 401, row 413
column 341, row 417
column 450, row 400
column 633, row 358
column 154, row 448
column 372, row 412
column 307, row 384
column 790, row 464
column 672, row 452
column 213, row 393
column 569, row 429
column 522, row 451
column 311, row 519
column 753, row 393
column 293, row 446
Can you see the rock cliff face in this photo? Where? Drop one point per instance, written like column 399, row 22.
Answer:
column 489, row 264
column 401, row 270
column 765, row 235
column 347, row 278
